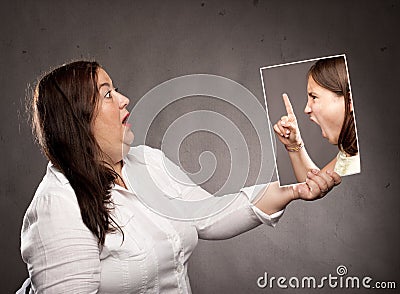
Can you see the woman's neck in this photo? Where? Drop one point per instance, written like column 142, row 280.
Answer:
column 118, row 169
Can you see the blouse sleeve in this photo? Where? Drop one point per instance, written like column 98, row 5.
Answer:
column 61, row 253
column 238, row 217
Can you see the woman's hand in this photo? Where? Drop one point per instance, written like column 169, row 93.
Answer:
column 286, row 128
column 317, row 185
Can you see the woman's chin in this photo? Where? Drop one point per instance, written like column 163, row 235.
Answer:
column 332, row 141
column 328, row 138
column 324, row 134
column 126, row 142
column 128, row 137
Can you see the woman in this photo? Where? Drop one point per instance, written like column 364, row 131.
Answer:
column 85, row 230
column 330, row 106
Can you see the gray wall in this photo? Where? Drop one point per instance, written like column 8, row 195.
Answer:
column 143, row 43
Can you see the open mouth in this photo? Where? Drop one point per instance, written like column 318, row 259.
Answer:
column 125, row 119
column 313, row 120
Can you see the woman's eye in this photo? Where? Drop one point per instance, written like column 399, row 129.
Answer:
column 108, row 94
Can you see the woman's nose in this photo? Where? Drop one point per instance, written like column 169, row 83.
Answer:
column 123, row 100
column 307, row 109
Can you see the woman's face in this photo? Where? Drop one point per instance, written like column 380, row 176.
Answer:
column 326, row 109
column 110, row 127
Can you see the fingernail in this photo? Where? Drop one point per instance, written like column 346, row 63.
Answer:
column 287, row 136
column 309, row 174
column 287, row 131
column 282, row 123
column 329, row 172
column 314, row 171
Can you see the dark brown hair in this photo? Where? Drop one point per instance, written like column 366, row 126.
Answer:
column 63, row 109
column 331, row 74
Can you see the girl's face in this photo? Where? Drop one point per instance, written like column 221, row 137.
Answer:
column 110, row 127
column 326, row 109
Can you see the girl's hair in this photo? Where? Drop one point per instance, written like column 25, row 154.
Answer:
column 331, row 74
column 63, row 109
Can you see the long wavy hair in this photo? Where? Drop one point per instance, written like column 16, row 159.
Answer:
column 63, row 109
column 331, row 74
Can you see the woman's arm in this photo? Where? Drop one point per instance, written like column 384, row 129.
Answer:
column 243, row 210
column 244, row 213
column 62, row 255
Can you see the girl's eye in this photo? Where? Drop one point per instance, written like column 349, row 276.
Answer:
column 108, row 94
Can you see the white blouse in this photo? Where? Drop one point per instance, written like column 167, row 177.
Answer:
column 63, row 256
column 347, row 165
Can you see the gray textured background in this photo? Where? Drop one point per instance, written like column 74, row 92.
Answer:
column 143, row 43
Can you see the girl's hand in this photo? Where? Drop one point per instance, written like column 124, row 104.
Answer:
column 286, row 128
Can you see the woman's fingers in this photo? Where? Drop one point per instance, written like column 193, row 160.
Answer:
column 331, row 178
column 335, row 176
column 324, row 183
column 318, row 184
column 302, row 191
column 314, row 189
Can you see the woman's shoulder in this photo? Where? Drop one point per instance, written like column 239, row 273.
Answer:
column 54, row 194
column 53, row 208
column 144, row 154
column 140, row 149
column 53, row 234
